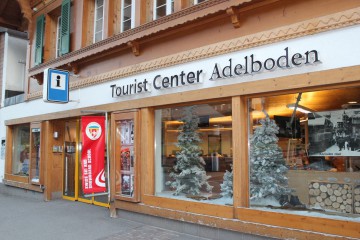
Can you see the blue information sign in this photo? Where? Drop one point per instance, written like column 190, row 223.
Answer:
column 56, row 86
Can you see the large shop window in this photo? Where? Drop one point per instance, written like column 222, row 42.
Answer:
column 193, row 152
column 304, row 153
column 21, row 150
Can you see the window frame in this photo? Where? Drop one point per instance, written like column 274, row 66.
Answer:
column 132, row 18
column 169, row 4
column 58, row 37
column 96, row 7
column 116, row 170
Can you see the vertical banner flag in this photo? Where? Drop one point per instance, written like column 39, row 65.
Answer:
column 93, row 154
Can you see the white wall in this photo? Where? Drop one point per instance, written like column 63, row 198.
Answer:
column 15, row 71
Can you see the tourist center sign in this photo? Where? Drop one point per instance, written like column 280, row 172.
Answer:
column 244, row 66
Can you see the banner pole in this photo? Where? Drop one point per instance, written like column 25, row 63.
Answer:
column 107, row 154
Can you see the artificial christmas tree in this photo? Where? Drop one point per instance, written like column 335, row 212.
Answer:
column 227, row 185
column 190, row 175
column 267, row 163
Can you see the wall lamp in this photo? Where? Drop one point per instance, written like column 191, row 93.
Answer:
column 56, row 135
column 300, row 108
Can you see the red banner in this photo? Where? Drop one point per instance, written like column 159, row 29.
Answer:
column 93, row 154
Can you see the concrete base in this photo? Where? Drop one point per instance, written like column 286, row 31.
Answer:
column 20, row 192
column 187, row 228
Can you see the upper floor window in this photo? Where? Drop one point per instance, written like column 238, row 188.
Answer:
column 198, row 1
column 58, row 38
column 99, row 20
column 127, row 14
column 163, row 8
column 57, row 22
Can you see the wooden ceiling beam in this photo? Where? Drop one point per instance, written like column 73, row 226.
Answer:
column 26, row 10
column 9, row 23
column 3, row 4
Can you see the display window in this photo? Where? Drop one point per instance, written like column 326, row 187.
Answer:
column 304, row 153
column 21, row 150
column 193, row 152
column 126, row 155
column 35, row 154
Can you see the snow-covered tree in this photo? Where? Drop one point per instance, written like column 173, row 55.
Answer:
column 267, row 163
column 189, row 175
column 227, row 185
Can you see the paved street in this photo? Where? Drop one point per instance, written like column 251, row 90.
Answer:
column 28, row 218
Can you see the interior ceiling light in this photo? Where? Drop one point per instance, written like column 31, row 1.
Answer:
column 353, row 102
column 352, row 105
column 300, row 108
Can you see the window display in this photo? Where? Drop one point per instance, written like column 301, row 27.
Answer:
column 193, row 152
column 35, row 155
column 304, row 155
column 21, row 150
column 125, row 156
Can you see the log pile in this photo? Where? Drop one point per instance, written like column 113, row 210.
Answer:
column 334, row 196
column 357, row 199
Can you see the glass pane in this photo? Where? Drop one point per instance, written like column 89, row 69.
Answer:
column 99, row 3
column 160, row 2
column 69, row 159
column 127, row 25
column 98, row 25
column 21, row 144
column 127, row 13
column 194, row 152
column 160, row 12
column 98, row 36
column 306, row 158
column 127, row 3
column 125, row 170
column 99, row 13
column 35, row 155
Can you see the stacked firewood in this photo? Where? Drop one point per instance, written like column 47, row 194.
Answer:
column 332, row 196
column 357, row 200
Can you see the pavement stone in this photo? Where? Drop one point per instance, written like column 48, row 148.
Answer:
column 27, row 218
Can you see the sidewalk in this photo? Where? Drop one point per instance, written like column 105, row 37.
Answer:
column 27, row 218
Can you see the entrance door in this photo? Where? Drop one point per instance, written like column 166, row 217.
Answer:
column 72, row 175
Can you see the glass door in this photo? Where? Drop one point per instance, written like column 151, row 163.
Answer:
column 72, row 175
column 70, row 190
column 35, row 154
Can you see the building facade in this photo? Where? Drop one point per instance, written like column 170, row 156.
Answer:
column 240, row 115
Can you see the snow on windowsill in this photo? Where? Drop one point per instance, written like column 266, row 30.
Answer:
column 261, row 205
column 218, row 201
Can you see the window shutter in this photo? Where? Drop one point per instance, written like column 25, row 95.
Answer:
column 39, row 41
column 65, row 27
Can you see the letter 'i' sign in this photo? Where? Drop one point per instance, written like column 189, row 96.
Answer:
column 58, row 82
